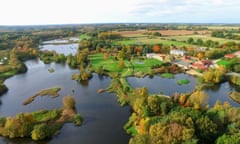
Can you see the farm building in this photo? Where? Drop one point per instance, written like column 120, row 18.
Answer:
column 183, row 64
column 203, row 65
column 229, row 56
column 160, row 57
column 177, row 52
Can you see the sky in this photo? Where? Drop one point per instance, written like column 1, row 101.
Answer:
column 43, row 12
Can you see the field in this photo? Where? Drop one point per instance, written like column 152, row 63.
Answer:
column 163, row 32
column 151, row 40
column 203, row 37
column 171, row 37
column 224, row 63
column 222, row 27
column 84, row 36
column 140, row 66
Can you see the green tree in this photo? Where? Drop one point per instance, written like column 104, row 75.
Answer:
column 206, row 129
column 190, row 40
column 41, row 131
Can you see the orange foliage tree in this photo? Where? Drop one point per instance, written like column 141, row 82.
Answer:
column 156, row 48
column 200, row 55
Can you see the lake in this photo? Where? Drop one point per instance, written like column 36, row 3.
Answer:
column 61, row 46
column 103, row 117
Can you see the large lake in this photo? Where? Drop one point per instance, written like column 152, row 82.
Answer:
column 103, row 116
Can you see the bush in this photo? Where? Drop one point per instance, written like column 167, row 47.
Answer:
column 77, row 119
column 3, row 88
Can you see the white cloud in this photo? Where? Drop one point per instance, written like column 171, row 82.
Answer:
column 91, row 11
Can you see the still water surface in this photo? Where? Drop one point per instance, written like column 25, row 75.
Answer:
column 103, row 116
column 166, row 86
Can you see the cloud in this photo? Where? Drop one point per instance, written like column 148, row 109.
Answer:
column 92, row 11
column 186, row 10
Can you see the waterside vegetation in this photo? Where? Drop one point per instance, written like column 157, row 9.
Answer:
column 41, row 124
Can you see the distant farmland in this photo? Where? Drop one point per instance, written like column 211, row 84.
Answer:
column 140, row 33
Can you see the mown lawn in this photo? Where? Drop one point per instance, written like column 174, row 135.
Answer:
column 224, row 63
column 5, row 75
column 111, row 64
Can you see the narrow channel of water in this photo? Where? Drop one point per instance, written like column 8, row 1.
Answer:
column 166, row 86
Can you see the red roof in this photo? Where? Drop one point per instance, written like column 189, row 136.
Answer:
column 206, row 62
column 230, row 56
column 199, row 66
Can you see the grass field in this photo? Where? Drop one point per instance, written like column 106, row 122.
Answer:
column 154, row 40
column 203, row 37
column 138, row 37
column 222, row 27
column 224, row 63
column 163, row 32
column 142, row 66
column 84, row 36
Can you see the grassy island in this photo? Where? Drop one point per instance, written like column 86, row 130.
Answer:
column 41, row 124
column 46, row 92
column 167, row 75
column 183, row 81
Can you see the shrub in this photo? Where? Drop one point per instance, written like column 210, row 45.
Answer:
column 78, row 119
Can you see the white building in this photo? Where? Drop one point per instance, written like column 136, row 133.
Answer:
column 177, row 52
column 160, row 57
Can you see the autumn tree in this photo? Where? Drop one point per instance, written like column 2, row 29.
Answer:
column 156, row 48
column 206, row 129
column 200, row 55
column 121, row 63
column 105, row 56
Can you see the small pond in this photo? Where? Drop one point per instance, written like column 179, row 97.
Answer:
column 61, row 46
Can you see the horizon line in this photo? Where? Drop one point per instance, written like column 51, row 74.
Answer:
column 98, row 23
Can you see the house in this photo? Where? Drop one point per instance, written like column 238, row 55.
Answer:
column 184, row 64
column 203, row 65
column 160, row 57
column 229, row 56
column 177, row 52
